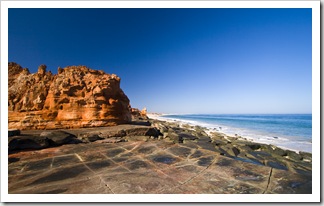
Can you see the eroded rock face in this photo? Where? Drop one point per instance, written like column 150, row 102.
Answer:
column 138, row 115
column 76, row 97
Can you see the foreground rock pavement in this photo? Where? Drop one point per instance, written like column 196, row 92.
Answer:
column 147, row 166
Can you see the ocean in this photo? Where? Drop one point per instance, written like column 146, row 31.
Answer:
column 289, row 131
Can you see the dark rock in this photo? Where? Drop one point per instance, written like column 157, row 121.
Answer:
column 279, row 151
column 228, row 151
column 204, row 139
column 164, row 159
column 146, row 150
column 28, row 143
column 197, row 154
column 267, row 148
column 276, row 165
column 260, row 154
column 218, row 142
column 205, row 161
column 187, row 136
column 13, row 132
column 143, row 123
column 152, row 132
column 142, row 131
column 180, row 151
column 254, row 146
column 249, row 160
column 207, row 146
column 306, row 156
column 90, row 137
column 294, row 156
column 175, row 137
column 60, row 137
column 243, row 148
column 13, row 159
column 235, row 151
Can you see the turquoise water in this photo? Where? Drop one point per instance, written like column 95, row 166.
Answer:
column 291, row 131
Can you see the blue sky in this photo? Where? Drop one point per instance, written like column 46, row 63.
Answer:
column 179, row 60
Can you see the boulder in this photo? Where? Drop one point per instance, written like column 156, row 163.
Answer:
column 306, row 156
column 294, row 156
column 44, row 140
column 57, row 138
column 22, row 143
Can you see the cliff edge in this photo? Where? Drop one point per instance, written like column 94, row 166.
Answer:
column 76, row 97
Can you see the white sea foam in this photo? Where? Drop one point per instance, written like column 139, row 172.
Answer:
column 255, row 136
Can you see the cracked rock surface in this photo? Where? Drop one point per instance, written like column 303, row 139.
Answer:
column 147, row 166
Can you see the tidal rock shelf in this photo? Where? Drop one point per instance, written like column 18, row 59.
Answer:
column 162, row 158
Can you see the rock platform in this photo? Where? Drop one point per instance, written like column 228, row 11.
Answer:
column 141, row 162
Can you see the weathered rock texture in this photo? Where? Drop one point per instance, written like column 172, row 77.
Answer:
column 139, row 115
column 75, row 97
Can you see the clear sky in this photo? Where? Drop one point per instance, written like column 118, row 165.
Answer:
column 179, row 60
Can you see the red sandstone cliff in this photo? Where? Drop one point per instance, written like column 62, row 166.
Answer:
column 75, row 97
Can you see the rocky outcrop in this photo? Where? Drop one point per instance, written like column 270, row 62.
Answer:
column 44, row 140
column 139, row 115
column 40, row 139
column 75, row 97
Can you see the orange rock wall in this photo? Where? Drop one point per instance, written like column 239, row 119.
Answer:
column 75, row 97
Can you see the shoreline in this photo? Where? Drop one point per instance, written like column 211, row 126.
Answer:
column 210, row 130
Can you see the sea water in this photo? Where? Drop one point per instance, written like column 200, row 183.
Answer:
column 290, row 131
